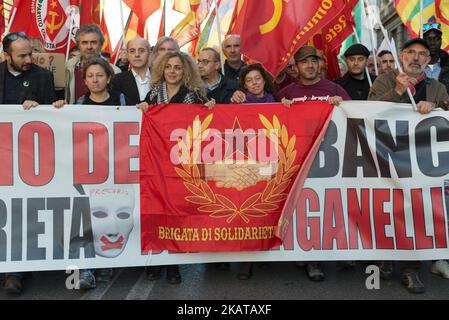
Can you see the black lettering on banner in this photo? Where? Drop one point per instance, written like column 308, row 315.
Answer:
column 16, row 229
column 355, row 136
column 424, row 146
column 81, row 213
column 3, row 219
column 58, row 205
column 330, row 155
column 34, row 228
column 398, row 151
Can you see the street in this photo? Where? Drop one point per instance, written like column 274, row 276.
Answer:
column 270, row 281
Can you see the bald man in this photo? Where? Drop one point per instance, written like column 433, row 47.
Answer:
column 135, row 83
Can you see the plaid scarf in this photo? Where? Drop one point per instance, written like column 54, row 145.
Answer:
column 419, row 78
column 160, row 92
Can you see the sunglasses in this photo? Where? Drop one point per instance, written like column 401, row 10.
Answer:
column 15, row 35
column 428, row 26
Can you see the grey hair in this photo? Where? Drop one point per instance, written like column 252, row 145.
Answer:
column 89, row 28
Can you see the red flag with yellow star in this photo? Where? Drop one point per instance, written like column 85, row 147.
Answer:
column 89, row 11
column 218, row 180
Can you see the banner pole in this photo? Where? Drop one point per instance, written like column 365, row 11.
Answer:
column 217, row 20
column 395, row 57
column 371, row 33
column 11, row 20
column 123, row 28
column 421, row 18
column 70, row 35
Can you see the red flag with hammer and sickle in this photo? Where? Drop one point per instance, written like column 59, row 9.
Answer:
column 48, row 20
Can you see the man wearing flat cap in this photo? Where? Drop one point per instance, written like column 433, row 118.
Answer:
column 438, row 67
column 428, row 94
column 355, row 81
column 392, row 86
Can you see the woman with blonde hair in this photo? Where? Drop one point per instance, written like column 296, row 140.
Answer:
column 176, row 79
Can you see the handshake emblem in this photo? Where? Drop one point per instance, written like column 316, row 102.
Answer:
column 239, row 174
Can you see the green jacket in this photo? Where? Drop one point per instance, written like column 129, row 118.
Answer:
column 383, row 89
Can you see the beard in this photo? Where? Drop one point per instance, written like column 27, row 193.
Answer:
column 19, row 68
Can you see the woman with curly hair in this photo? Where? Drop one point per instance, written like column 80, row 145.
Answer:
column 175, row 79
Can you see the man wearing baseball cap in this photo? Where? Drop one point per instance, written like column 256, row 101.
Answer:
column 310, row 83
column 355, row 81
column 438, row 67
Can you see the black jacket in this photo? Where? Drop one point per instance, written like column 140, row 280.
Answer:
column 126, row 83
column 223, row 93
column 444, row 74
column 41, row 86
column 357, row 89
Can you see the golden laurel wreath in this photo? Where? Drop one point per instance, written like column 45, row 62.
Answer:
column 259, row 204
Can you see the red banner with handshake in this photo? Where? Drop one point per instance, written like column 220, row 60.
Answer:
column 217, row 180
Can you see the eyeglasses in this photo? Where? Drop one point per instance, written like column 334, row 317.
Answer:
column 421, row 54
column 428, row 26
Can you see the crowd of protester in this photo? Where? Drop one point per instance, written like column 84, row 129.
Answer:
column 145, row 75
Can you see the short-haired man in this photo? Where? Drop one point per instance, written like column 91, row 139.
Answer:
column 310, row 84
column 386, row 60
column 219, row 87
column 233, row 64
column 22, row 82
column 438, row 67
column 135, row 83
column 355, row 81
column 428, row 94
column 89, row 39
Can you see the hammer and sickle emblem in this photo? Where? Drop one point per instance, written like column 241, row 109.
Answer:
column 53, row 26
column 274, row 21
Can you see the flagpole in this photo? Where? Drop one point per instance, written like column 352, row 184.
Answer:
column 421, row 18
column 11, row 20
column 396, row 59
column 217, row 20
column 70, row 35
column 371, row 28
column 366, row 67
column 123, row 28
column 165, row 16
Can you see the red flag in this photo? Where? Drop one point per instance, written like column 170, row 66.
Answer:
column 162, row 26
column 89, row 11
column 107, row 39
column 143, row 9
column 338, row 29
column 53, row 14
column 200, row 191
column 136, row 27
column 275, row 30
column 330, row 57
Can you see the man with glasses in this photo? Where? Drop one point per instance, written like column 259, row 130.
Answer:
column 355, row 81
column 438, row 67
column 219, row 87
column 135, row 83
column 89, row 40
column 428, row 94
column 21, row 81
